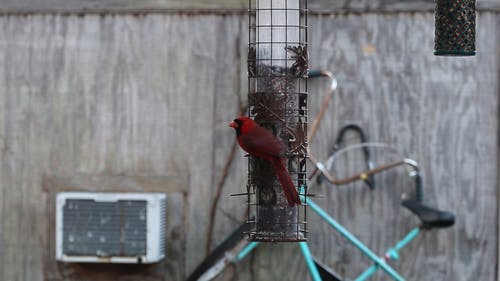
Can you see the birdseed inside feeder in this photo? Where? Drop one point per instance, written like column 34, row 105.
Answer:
column 455, row 28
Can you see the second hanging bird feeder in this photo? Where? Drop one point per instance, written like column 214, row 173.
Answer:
column 455, row 28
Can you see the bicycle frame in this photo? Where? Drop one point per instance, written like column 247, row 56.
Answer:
column 235, row 248
column 378, row 262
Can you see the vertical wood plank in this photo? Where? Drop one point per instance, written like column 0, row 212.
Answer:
column 498, row 136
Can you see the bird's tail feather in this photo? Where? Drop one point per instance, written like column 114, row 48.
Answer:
column 291, row 194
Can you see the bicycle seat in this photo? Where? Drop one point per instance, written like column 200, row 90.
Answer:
column 430, row 217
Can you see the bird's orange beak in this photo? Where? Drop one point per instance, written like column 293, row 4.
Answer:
column 233, row 125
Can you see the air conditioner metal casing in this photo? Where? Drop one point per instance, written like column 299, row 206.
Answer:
column 110, row 227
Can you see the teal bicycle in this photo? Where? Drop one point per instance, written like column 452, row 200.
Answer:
column 236, row 248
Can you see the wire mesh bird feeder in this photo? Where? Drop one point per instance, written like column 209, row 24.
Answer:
column 277, row 94
column 455, row 28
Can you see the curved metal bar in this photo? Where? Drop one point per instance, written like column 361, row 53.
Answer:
column 321, row 167
column 370, row 181
column 324, row 103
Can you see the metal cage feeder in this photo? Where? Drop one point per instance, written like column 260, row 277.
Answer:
column 277, row 94
column 455, row 28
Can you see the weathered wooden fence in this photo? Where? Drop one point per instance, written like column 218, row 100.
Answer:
column 136, row 95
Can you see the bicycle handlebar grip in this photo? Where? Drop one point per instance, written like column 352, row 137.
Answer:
column 419, row 191
column 315, row 73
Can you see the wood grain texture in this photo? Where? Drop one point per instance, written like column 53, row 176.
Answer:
column 498, row 165
column 119, row 96
column 116, row 102
column 106, row 183
column 220, row 6
column 439, row 111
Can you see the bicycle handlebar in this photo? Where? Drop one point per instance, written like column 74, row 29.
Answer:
column 360, row 176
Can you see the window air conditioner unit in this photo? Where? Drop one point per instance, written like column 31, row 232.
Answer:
column 110, row 227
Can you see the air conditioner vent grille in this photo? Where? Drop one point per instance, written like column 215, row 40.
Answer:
column 162, row 226
column 104, row 229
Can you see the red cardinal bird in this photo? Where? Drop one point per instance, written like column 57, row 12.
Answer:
column 261, row 143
